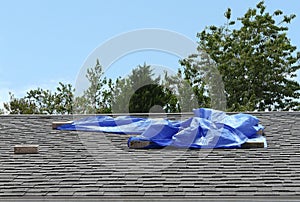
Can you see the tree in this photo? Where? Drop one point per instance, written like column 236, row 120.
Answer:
column 97, row 97
column 139, row 92
column 20, row 106
column 64, row 99
column 181, row 93
column 92, row 94
column 44, row 100
column 147, row 91
column 206, row 82
column 257, row 61
column 121, row 95
column 41, row 101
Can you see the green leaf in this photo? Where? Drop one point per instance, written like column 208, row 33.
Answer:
column 231, row 22
column 227, row 14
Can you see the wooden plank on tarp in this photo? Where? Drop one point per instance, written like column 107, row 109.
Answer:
column 137, row 144
column 56, row 124
column 253, row 144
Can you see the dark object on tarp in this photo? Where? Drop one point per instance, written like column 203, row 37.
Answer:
column 207, row 129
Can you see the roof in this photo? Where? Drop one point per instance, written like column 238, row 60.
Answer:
column 77, row 165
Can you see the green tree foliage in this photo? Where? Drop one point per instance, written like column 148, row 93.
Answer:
column 44, row 100
column 180, row 92
column 92, row 94
column 140, row 91
column 121, row 95
column 20, row 105
column 257, row 61
column 41, row 101
column 64, row 98
column 206, row 82
column 97, row 97
column 147, row 90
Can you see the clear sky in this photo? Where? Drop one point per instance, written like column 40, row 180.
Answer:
column 43, row 42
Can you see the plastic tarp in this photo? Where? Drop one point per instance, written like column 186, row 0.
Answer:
column 119, row 125
column 207, row 129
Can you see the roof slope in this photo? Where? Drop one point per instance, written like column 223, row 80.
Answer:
column 77, row 164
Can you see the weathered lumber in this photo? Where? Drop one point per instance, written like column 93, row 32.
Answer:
column 56, row 124
column 137, row 144
column 26, row 149
column 253, row 144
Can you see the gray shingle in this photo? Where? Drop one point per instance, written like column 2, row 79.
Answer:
column 76, row 164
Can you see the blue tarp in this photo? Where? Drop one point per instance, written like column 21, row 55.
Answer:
column 207, row 129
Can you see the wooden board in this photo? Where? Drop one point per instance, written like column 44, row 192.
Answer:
column 136, row 144
column 26, row 149
column 253, row 144
column 248, row 145
column 56, row 124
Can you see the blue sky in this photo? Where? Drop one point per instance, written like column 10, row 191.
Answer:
column 43, row 42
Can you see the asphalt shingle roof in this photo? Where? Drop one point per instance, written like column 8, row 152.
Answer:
column 74, row 164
